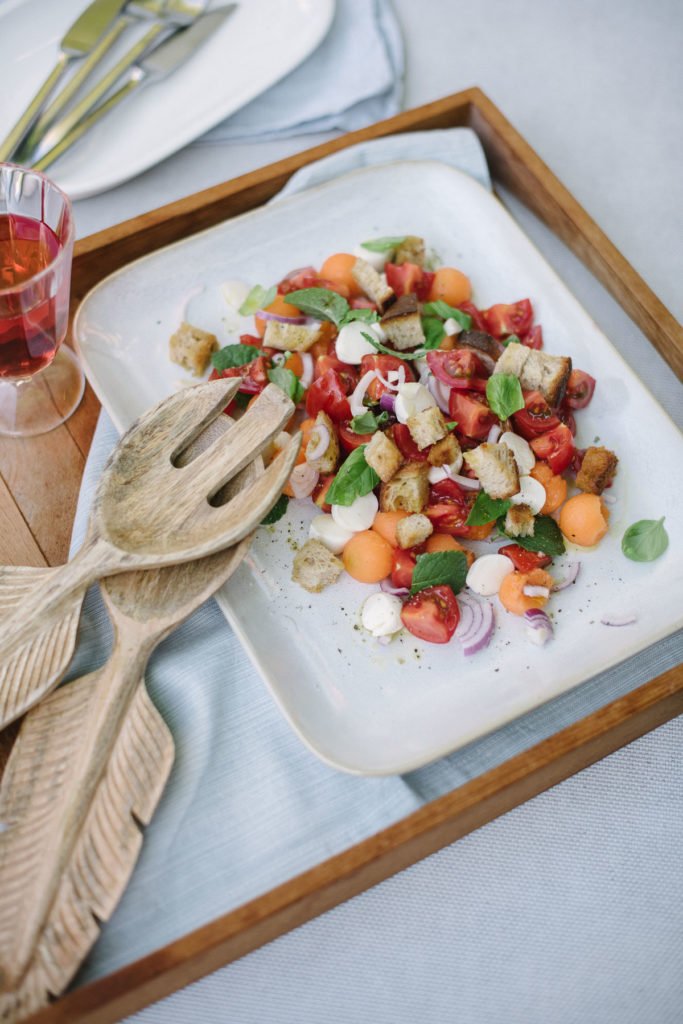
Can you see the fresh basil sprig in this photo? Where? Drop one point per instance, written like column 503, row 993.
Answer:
column 288, row 381
column 354, row 479
column 645, row 540
column 324, row 304
column 417, row 354
column 433, row 331
column 485, row 509
column 384, row 244
column 449, row 567
column 511, row 339
column 234, row 355
column 504, row 394
column 366, row 316
column 547, row 537
column 367, row 422
column 277, row 511
column 258, row 298
column 446, row 312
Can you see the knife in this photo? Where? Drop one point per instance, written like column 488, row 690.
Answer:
column 79, row 41
column 155, row 65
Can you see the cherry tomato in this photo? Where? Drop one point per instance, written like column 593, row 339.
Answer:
column 432, row 614
column 533, row 338
column 328, row 393
column 448, row 509
column 556, row 448
column 402, row 569
column 536, row 417
column 306, row 277
column 567, row 416
column 523, row 560
column 405, row 444
column 254, row 375
column 251, row 339
column 384, row 364
column 348, row 374
column 473, row 417
column 580, row 388
column 349, row 439
column 408, row 277
column 478, row 322
column 320, row 491
column 456, row 366
column 504, row 319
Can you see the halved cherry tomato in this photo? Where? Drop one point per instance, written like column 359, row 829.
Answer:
column 580, row 388
column 408, row 277
column 473, row 417
column 504, row 319
column 405, row 444
column 251, row 339
column 432, row 614
column 384, row 364
column 320, row 491
column 533, row 338
column 567, row 416
column 448, row 508
column 556, row 448
column 402, row 569
column 349, row 439
column 305, row 277
column 536, row 417
column 477, row 319
column 328, row 393
column 523, row 560
column 459, row 365
column 254, row 375
column 348, row 374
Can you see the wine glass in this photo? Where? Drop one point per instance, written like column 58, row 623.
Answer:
column 41, row 383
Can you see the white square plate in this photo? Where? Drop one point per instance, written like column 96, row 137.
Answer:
column 361, row 707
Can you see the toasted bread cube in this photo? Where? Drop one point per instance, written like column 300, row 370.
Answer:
column 327, row 462
column 513, row 359
column 495, row 468
column 597, row 470
column 483, row 345
column 371, row 283
column 315, row 567
column 411, row 250
column 408, row 490
column 290, row 337
column 427, row 427
column 402, row 323
column 519, row 521
column 547, row 374
column 382, row 455
column 413, row 530
column 444, row 452
column 191, row 348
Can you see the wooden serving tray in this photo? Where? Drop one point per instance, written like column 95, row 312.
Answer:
column 39, row 483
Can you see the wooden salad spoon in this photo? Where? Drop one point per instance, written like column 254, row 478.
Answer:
column 89, row 763
column 150, row 510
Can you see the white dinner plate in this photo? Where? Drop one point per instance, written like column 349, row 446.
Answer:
column 259, row 43
column 362, row 707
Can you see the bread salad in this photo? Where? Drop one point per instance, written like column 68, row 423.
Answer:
column 430, row 426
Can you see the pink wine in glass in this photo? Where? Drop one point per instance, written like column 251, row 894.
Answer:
column 32, row 318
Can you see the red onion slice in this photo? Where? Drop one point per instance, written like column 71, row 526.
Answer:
column 475, row 632
column 303, row 480
column 300, row 270
column 386, row 586
column 356, row 398
column 618, row 620
column 387, row 402
column 466, row 482
column 296, row 321
column 323, row 435
column 494, row 433
column 439, row 393
column 572, row 573
column 539, row 626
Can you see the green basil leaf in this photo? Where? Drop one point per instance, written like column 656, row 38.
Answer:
column 354, row 479
column 258, row 298
column 379, row 347
column 322, row 303
column 277, row 511
column 547, row 537
column 433, row 331
column 367, row 316
column 288, row 381
column 645, row 540
column 367, row 422
column 234, row 355
column 510, row 339
column 449, row 567
column 504, row 394
column 452, row 424
column 385, row 244
column 486, row 509
column 446, row 312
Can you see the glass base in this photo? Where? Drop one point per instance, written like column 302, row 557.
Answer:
column 43, row 402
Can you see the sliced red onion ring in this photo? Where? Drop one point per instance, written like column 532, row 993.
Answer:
column 572, row 573
column 300, row 270
column 618, row 620
column 494, row 433
column 383, row 640
column 466, row 482
column 356, row 398
column 539, row 626
column 475, row 629
column 297, row 321
column 303, row 480
column 307, row 375
column 387, row 402
column 439, row 393
column 387, row 383
column 386, row 586
column 532, row 591
column 323, row 435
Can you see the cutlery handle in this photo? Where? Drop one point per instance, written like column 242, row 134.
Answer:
column 10, row 143
column 67, row 123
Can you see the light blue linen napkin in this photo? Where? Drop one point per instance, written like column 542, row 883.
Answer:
column 247, row 806
column 355, row 77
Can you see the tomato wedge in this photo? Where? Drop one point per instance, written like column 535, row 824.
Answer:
column 533, row 338
column 347, row 373
column 405, row 444
column 305, row 277
column 536, row 417
column 384, row 364
column 504, row 319
column 457, row 367
column 556, row 448
column 477, row 319
column 408, row 277
column 580, row 388
column 432, row 614
column 328, row 394
column 349, row 440
column 473, row 417
column 523, row 560
column 320, row 491
column 254, row 375
column 402, row 568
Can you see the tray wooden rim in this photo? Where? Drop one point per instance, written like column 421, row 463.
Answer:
column 518, row 167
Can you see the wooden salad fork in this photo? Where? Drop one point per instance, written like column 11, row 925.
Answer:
column 150, row 510
column 89, row 763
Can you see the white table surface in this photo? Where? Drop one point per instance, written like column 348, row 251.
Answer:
column 570, row 908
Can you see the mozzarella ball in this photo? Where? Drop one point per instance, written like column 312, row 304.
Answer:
column 487, row 573
column 451, row 327
column 411, row 399
column 351, row 346
column 381, row 614
column 235, row 292
column 531, row 493
column 360, row 515
column 330, row 533
column 521, row 449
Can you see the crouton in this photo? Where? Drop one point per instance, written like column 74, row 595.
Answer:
column 482, row 344
column 402, row 323
column 495, row 468
column 513, row 359
column 327, row 462
column 411, row 250
column 382, row 455
column 547, row 374
column 445, row 452
column 413, row 530
column 519, row 521
column 371, row 283
column 315, row 567
column 191, row 348
column 597, row 470
column 290, row 337
column 408, row 490
column 427, row 427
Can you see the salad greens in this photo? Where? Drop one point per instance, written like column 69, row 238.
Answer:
column 645, row 540
column 354, row 479
column 449, row 567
